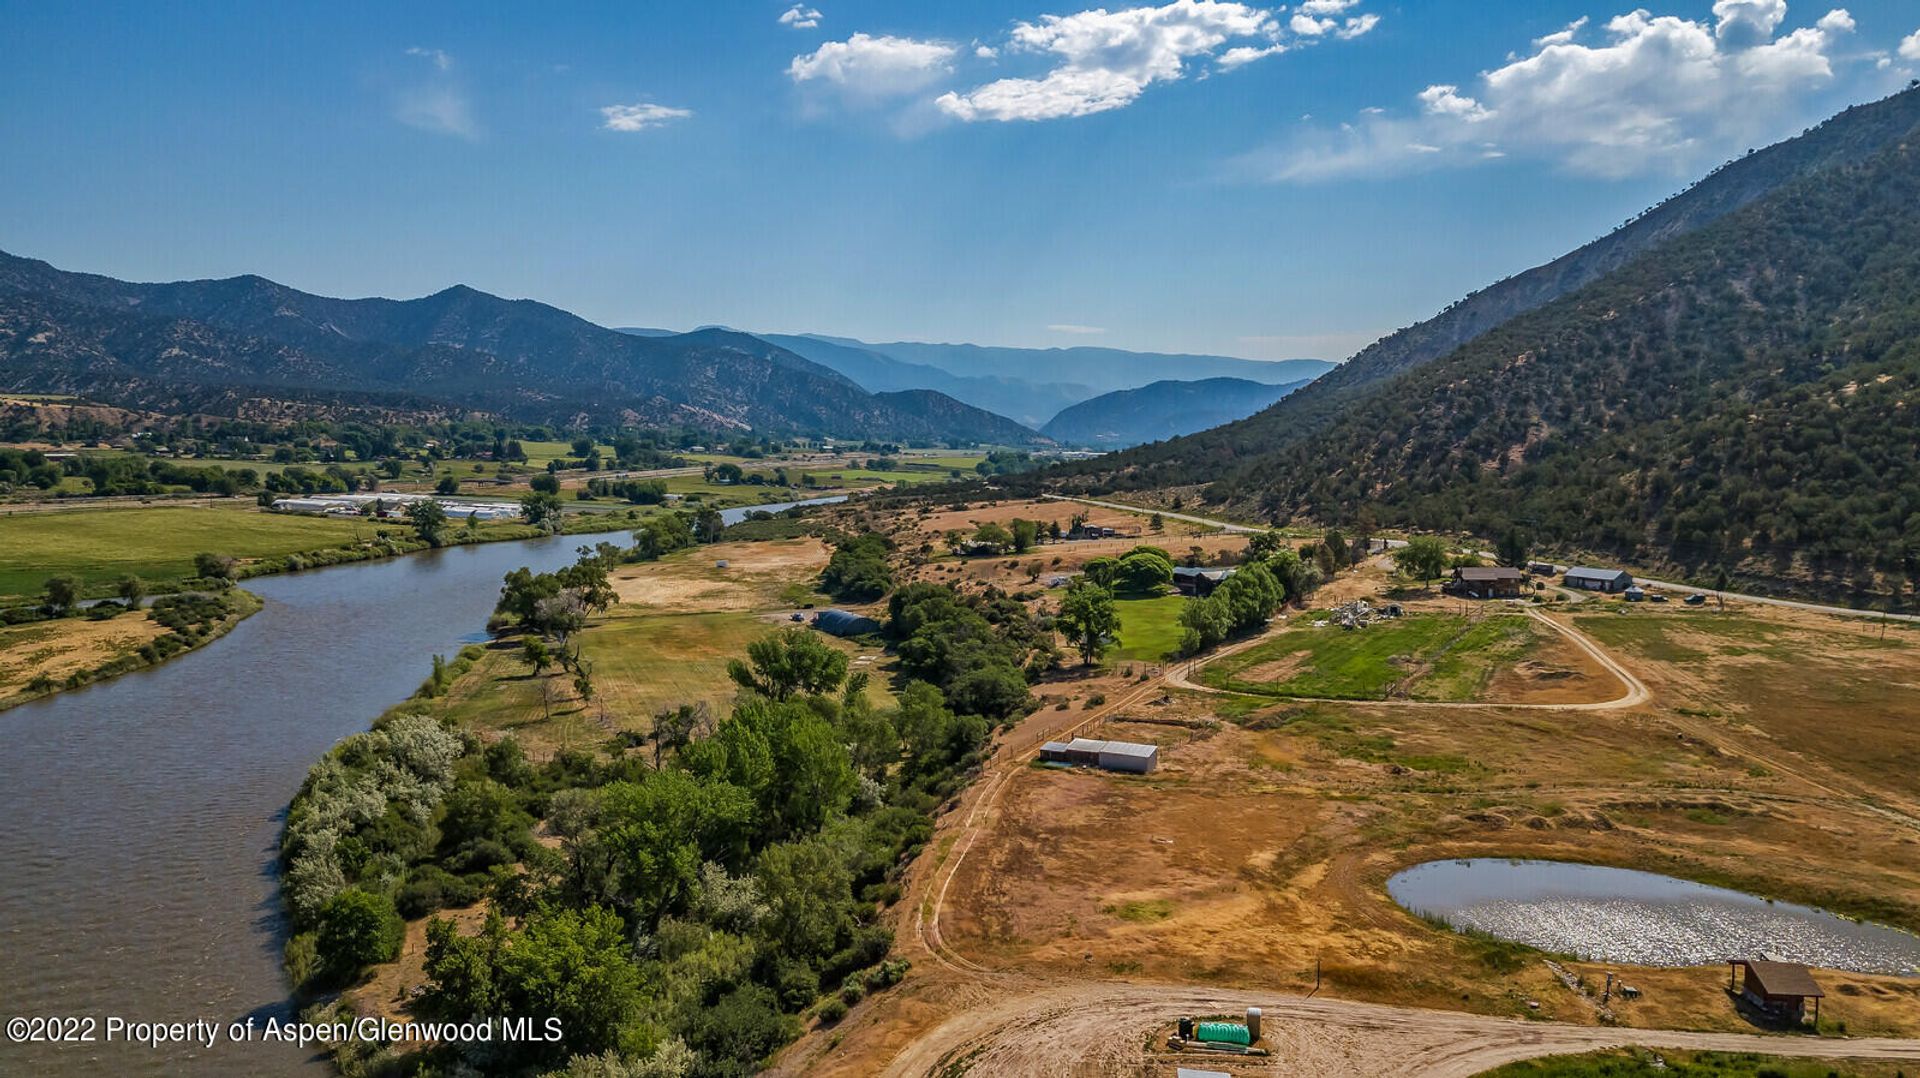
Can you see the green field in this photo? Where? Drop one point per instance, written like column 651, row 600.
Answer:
column 1149, row 629
column 1440, row 657
column 158, row 544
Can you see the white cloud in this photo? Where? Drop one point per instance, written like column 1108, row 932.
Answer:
column 1078, row 331
column 1564, row 36
column 1910, row 48
column 986, row 52
column 864, row 66
column 1659, row 93
column 801, row 17
column 1242, row 55
column 1106, row 59
column 437, row 57
column 1744, row 23
column 439, row 104
column 641, row 116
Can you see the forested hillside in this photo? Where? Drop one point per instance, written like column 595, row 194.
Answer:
column 249, row 346
column 1850, row 137
column 1746, row 393
column 1165, row 409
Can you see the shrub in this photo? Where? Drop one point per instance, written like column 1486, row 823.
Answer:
column 357, row 929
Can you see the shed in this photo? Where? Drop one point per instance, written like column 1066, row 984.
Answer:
column 1054, row 752
column 1083, row 750
column 1635, row 594
column 1607, row 580
column 1540, row 568
column 1129, row 756
column 1781, row 989
column 1487, row 582
column 844, row 623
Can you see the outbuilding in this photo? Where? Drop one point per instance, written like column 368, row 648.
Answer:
column 1487, row 582
column 1106, row 755
column 1611, row 581
column 844, row 623
column 1129, row 756
column 1197, row 582
column 1780, row 989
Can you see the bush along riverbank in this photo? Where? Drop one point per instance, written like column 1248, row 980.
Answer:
column 683, row 901
column 189, row 619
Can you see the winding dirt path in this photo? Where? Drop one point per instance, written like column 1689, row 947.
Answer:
column 1634, row 691
column 1075, row 1030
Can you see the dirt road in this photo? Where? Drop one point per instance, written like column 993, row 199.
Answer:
column 1116, row 1029
column 1663, row 585
column 1634, row 691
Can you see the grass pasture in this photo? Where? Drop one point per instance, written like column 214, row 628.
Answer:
column 157, row 544
column 1149, row 629
column 1441, row 657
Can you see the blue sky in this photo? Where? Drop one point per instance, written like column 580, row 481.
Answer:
column 1267, row 181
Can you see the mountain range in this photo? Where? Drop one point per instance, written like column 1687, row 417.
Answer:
column 1003, row 380
column 1164, row 409
column 1730, row 378
column 250, row 346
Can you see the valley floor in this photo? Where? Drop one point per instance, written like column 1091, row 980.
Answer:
column 1061, row 921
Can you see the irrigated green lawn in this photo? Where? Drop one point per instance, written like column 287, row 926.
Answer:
column 157, row 544
column 1149, row 629
column 1424, row 656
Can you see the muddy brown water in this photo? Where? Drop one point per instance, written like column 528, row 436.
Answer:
column 1624, row 915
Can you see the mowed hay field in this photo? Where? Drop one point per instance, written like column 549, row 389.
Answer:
column 1423, row 656
column 679, row 621
column 157, row 544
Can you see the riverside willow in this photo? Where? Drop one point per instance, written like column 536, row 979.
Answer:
column 709, row 883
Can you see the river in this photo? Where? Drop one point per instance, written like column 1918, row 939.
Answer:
column 139, row 818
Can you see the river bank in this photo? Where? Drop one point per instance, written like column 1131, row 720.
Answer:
column 151, row 890
column 38, row 659
column 43, row 657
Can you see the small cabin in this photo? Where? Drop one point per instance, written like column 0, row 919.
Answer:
column 1778, row 989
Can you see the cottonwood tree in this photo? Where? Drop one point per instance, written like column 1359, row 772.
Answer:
column 788, row 662
column 1087, row 619
column 1424, row 558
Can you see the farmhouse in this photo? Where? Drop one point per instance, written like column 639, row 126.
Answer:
column 1188, row 580
column 1781, row 989
column 1484, row 582
column 1107, row 755
column 1607, row 580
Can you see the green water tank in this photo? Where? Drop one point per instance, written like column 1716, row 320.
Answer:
column 1222, row 1033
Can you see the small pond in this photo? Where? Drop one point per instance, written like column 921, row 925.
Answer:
column 1621, row 915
